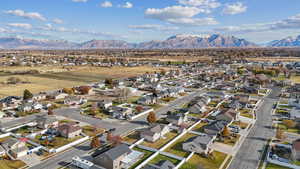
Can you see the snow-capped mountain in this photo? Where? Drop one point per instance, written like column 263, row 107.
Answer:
column 182, row 41
column 286, row 42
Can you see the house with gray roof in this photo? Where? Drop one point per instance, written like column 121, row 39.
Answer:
column 112, row 159
column 154, row 133
column 163, row 164
column 199, row 144
column 45, row 121
column 215, row 127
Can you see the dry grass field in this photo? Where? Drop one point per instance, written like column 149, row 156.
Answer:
column 52, row 78
column 275, row 59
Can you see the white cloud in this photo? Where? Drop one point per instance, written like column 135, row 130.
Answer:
column 289, row 23
column 235, row 8
column 201, row 3
column 106, row 4
column 20, row 25
column 153, row 27
column 28, row 15
column 127, row 5
column 58, row 21
column 180, row 15
column 79, row 0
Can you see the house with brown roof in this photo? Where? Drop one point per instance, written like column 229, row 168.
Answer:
column 69, row 130
column 228, row 115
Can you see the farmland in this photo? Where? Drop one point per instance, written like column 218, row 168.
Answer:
column 51, row 78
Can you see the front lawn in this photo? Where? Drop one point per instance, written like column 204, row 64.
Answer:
column 160, row 157
column 159, row 143
column 286, row 129
column 10, row 164
column 214, row 161
column 132, row 138
column 57, row 141
column 274, row 166
column 91, row 131
column 199, row 127
column 230, row 140
column 240, row 124
column 248, row 115
column 176, row 148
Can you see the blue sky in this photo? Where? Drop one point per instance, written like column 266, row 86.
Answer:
column 142, row 20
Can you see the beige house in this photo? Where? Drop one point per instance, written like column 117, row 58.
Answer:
column 154, row 133
column 15, row 147
column 69, row 130
column 112, row 159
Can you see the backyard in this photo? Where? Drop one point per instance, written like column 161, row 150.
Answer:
column 176, row 148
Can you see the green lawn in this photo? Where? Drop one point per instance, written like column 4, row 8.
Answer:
column 176, row 148
column 9, row 164
column 145, row 156
column 248, row 115
column 291, row 130
column 57, row 142
column 274, row 166
column 159, row 143
column 212, row 162
column 160, row 157
column 199, row 127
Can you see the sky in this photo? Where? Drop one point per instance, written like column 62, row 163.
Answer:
column 259, row 21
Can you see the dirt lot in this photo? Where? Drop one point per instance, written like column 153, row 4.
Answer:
column 58, row 77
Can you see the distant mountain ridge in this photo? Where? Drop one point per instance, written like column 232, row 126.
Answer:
column 286, row 42
column 181, row 41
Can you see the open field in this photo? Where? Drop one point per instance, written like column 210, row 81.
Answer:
column 9, row 164
column 275, row 59
column 55, row 78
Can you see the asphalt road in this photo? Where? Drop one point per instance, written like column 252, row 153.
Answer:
column 121, row 128
column 250, row 152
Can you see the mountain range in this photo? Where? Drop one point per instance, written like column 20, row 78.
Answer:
column 181, row 41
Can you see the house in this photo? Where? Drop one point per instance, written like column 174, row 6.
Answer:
column 216, row 94
column 197, row 108
column 112, row 159
column 228, row 115
column 296, row 150
column 39, row 96
column 176, row 118
column 74, row 100
column 10, row 102
column 163, row 164
column 294, row 103
column 147, row 100
column 25, row 107
column 15, row 147
column 69, row 130
column 154, row 133
column 295, row 114
column 84, row 90
column 56, row 95
column 119, row 112
column 46, row 121
column 104, row 104
column 215, row 127
column 199, row 144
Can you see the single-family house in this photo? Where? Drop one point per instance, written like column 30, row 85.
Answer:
column 176, row 118
column 199, row 144
column 154, row 133
column 113, row 158
column 104, row 104
column 296, row 150
column 215, row 127
column 46, row 121
column 147, row 100
column 74, row 100
column 120, row 112
column 15, row 147
column 163, row 164
column 228, row 115
column 69, row 130
column 56, row 95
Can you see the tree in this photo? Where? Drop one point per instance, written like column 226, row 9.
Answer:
column 84, row 89
column 50, row 112
column 13, row 80
column 289, row 123
column 27, row 94
column 151, row 117
column 139, row 109
column 95, row 143
column 69, row 91
column 225, row 132
column 109, row 137
column 108, row 82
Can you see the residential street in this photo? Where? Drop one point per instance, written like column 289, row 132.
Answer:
column 249, row 154
column 121, row 128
